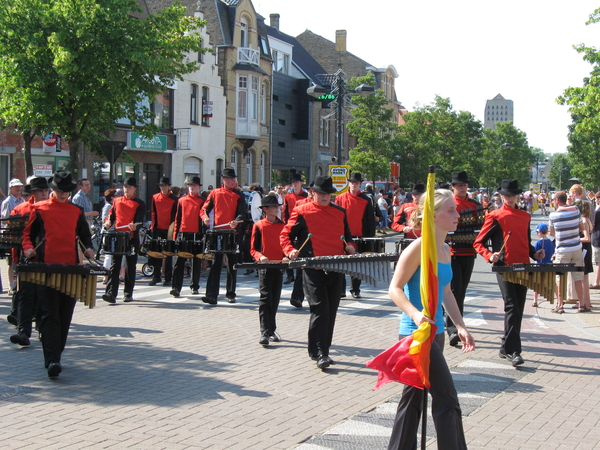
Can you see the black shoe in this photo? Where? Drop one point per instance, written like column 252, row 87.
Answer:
column 12, row 319
column 288, row 280
column 21, row 339
column 209, row 300
column 109, row 298
column 153, row 282
column 502, row 353
column 454, row 339
column 127, row 298
column 167, row 283
column 174, row 293
column 355, row 294
column 296, row 302
column 195, row 291
column 314, row 357
column 264, row 340
column 323, row 362
column 54, row 369
column 515, row 359
column 274, row 338
column 231, row 299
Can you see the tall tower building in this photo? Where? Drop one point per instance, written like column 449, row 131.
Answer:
column 497, row 110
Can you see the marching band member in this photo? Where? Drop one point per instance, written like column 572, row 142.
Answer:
column 164, row 206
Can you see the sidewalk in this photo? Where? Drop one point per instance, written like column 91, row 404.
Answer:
column 178, row 374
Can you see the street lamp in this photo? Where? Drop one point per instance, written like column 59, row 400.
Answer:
column 339, row 94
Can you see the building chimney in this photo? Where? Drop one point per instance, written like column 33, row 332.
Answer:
column 340, row 40
column 274, row 21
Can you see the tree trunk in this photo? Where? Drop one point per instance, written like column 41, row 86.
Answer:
column 27, row 138
column 75, row 165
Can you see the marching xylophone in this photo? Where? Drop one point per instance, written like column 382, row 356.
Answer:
column 11, row 232
column 539, row 277
column 468, row 228
column 373, row 268
column 76, row 281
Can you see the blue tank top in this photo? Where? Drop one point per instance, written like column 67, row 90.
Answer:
column 413, row 293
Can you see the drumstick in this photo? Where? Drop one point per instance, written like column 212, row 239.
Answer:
column 305, row 242
column 237, row 222
column 504, row 244
column 343, row 238
column 35, row 248
column 127, row 226
column 83, row 249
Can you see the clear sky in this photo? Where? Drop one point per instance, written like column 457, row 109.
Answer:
column 467, row 50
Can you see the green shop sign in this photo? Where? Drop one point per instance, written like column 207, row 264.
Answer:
column 135, row 141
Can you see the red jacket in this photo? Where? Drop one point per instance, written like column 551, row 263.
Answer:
column 265, row 240
column 59, row 224
column 461, row 206
column 360, row 214
column 289, row 203
column 125, row 211
column 187, row 219
column 22, row 209
column 228, row 204
column 402, row 220
column 163, row 211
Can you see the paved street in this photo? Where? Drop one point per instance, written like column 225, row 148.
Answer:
column 179, row 374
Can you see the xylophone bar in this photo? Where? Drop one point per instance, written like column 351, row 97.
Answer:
column 259, row 265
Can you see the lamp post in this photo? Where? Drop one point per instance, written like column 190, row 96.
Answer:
column 339, row 94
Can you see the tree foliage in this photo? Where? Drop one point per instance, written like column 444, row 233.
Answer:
column 374, row 129
column 76, row 66
column 560, row 171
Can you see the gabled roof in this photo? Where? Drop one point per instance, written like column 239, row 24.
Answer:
column 498, row 97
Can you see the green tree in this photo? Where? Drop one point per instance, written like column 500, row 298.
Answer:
column 436, row 134
column 374, row 130
column 76, row 66
column 506, row 155
column 560, row 171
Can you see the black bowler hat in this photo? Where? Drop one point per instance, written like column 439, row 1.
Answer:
column 269, row 200
column 460, row 178
column 418, row 188
column 193, row 180
column 229, row 172
column 164, row 181
column 63, row 182
column 27, row 189
column 130, row 182
column 296, row 177
column 510, row 187
column 356, row 177
column 324, row 185
column 38, row 183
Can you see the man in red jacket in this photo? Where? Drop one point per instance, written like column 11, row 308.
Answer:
column 188, row 227
column 325, row 223
column 360, row 214
column 265, row 247
column 229, row 208
column 402, row 220
column 508, row 230
column 164, row 205
column 57, row 224
column 297, row 194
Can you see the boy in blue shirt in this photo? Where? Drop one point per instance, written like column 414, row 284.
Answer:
column 548, row 246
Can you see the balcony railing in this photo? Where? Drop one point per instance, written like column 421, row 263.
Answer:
column 247, row 55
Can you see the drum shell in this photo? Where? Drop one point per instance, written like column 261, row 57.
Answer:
column 369, row 245
column 169, row 247
column 116, row 243
column 154, row 248
column 221, row 241
column 189, row 249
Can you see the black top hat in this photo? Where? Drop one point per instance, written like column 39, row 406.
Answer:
column 130, row 182
column 193, row 180
column 229, row 172
column 459, row 178
column 63, row 182
column 324, row 185
column 418, row 188
column 164, row 181
column 510, row 187
column 38, row 183
column 269, row 200
column 356, row 177
column 296, row 177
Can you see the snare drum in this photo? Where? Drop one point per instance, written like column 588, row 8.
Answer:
column 116, row 243
column 154, row 248
column 369, row 245
column 169, row 247
column 189, row 249
column 221, row 241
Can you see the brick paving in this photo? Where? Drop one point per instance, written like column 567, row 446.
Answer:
column 178, row 374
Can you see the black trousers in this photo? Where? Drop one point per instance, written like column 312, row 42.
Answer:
column 462, row 269
column 157, row 262
column 214, row 276
column 298, row 289
column 112, row 287
column 56, row 310
column 514, row 296
column 27, row 307
column 270, row 282
column 445, row 409
column 323, row 291
column 180, row 266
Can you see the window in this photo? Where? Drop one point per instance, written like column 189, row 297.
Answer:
column 248, row 168
column 324, row 133
column 281, row 62
column 194, row 104
column 248, row 102
column 192, row 167
column 242, row 97
column 233, row 157
column 263, row 102
column 254, row 101
column 206, row 107
column 162, row 110
column 200, row 57
column 244, row 32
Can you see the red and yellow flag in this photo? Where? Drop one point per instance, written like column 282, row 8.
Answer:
column 408, row 360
